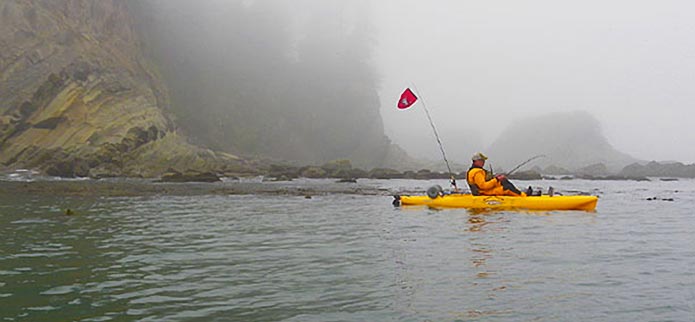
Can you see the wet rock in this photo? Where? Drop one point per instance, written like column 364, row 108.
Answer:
column 342, row 169
column 426, row 174
column 409, row 174
column 68, row 168
column 189, row 176
column 526, row 175
column 423, row 174
column 337, row 166
column 384, row 173
column 102, row 172
column 612, row 177
column 660, row 169
column 358, row 173
column 313, row 172
column 595, row 170
column 278, row 179
column 283, row 171
column 659, row 199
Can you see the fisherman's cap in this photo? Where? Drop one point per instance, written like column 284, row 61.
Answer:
column 479, row 156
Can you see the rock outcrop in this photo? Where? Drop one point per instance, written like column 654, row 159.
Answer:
column 243, row 81
column 660, row 169
column 568, row 140
column 80, row 99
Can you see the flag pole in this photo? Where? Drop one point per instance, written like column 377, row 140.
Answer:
column 436, row 135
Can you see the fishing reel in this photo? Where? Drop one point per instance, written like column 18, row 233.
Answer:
column 435, row 191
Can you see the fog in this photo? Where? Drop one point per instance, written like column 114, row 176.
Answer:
column 289, row 81
column 480, row 65
column 326, row 74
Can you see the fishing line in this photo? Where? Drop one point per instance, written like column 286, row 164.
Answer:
column 525, row 162
column 436, row 135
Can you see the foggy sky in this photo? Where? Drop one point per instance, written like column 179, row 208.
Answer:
column 482, row 64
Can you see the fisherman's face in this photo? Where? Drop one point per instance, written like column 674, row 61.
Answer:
column 479, row 163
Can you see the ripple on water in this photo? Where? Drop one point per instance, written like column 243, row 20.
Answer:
column 61, row 290
column 337, row 257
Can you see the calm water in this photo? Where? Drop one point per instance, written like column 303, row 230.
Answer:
column 340, row 257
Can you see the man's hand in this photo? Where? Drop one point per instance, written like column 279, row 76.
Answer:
column 500, row 177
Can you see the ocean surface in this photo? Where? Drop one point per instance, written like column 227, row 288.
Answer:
column 349, row 257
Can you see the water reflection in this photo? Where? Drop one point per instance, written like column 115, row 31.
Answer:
column 480, row 250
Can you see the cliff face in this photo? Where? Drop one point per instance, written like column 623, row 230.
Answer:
column 118, row 88
column 253, row 78
column 78, row 98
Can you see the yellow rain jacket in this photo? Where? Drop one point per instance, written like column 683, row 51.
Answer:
column 476, row 181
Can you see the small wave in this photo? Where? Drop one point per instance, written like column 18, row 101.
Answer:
column 61, row 290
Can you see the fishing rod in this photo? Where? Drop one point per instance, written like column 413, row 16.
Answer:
column 525, row 162
column 436, row 135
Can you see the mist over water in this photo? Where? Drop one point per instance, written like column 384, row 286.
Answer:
column 310, row 81
column 482, row 66
column 479, row 67
column 292, row 82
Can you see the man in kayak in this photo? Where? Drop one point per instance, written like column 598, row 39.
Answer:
column 480, row 185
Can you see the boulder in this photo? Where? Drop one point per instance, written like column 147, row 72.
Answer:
column 526, row 175
column 597, row 169
column 358, row 173
column 283, row 171
column 659, row 169
column 189, row 176
column 313, row 172
column 385, row 173
column 337, row 165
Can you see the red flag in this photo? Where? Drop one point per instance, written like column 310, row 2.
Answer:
column 407, row 99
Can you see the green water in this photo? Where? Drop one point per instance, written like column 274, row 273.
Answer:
column 341, row 257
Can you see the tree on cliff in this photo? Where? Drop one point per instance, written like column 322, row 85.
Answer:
column 270, row 79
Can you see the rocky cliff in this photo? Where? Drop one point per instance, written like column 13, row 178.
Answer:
column 120, row 88
column 270, row 78
column 79, row 99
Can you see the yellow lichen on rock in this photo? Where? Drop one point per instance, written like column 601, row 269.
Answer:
column 81, row 99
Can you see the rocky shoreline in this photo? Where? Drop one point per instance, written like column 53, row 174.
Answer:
column 344, row 171
column 338, row 171
column 139, row 187
column 136, row 187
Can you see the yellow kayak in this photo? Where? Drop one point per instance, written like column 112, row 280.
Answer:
column 587, row 203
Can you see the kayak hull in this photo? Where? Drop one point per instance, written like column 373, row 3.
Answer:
column 586, row 203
